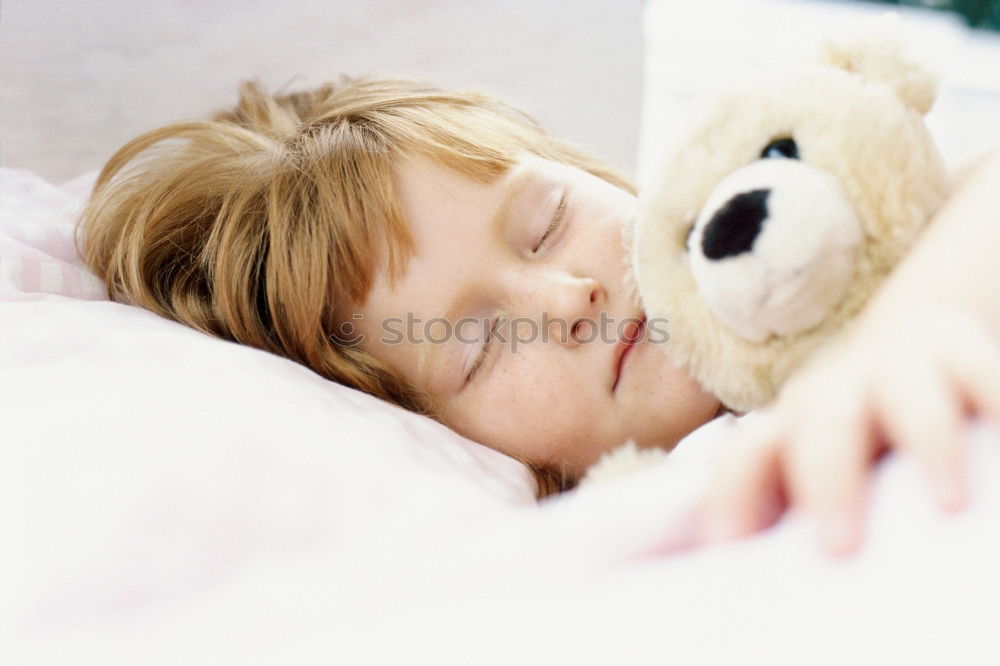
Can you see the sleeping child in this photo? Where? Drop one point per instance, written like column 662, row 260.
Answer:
column 440, row 251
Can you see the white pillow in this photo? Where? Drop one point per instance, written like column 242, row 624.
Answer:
column 127, row 356
column 37, row 254
column 120, row 430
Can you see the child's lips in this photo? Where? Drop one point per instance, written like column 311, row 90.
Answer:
column 631, row 336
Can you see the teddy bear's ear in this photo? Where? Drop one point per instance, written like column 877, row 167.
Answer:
column 878, row 55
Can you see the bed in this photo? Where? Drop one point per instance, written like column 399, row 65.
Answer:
column 175, row 499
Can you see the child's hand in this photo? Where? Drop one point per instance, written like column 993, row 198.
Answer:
column 908, row 381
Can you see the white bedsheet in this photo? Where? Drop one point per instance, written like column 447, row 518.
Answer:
column 161, row 554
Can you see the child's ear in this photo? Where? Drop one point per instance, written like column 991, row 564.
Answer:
column 877, row 55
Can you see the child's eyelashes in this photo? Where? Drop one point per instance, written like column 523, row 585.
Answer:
column 554, row 223
column 483, row 352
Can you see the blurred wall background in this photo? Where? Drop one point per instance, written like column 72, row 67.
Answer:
column 695, row 46
column 78, row 79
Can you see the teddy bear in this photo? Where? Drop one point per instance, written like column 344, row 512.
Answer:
column 776, row 213
column 779, row 210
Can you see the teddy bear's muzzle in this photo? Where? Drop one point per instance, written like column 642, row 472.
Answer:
column 773, row 249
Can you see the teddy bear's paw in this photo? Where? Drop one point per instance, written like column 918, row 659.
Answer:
column 623, row 461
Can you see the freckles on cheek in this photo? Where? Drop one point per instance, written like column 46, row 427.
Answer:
column 518, row 407
column 554, row 419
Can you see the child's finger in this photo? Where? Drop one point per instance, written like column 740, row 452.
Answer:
column 922, row 415
column 827, row 467
column 976, row 367
column 745, row 481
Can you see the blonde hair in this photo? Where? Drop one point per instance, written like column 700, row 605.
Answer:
column 258, row 225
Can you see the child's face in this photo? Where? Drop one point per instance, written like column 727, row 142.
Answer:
column 561, row 398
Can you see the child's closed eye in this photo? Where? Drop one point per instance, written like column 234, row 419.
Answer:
column 557, row 218
column 484, row 351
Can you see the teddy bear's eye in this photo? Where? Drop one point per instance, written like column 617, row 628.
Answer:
column 781, row 148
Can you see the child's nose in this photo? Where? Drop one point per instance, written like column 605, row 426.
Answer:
column 571, row 307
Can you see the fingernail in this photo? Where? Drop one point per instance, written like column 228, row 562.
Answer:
column 720, row 529
column 950, row 490
column 837, row 534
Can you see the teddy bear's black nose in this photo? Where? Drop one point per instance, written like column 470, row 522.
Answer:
column 735, row 226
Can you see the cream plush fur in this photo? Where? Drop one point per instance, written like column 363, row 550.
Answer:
column 757, row 250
